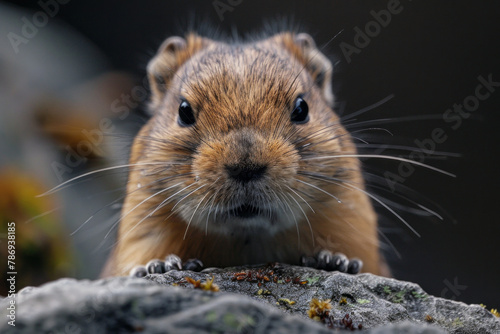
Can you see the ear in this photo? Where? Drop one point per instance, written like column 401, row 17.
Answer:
column 173, row 52
column 317, row 64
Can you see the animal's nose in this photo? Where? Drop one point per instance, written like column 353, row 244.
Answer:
column 246, row 173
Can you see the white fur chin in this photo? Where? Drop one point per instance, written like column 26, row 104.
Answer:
column 234, row 226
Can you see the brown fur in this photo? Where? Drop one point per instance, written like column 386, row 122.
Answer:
column 242, row 96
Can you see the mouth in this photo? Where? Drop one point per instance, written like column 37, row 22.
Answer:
column 245, row 211
column 244, row 219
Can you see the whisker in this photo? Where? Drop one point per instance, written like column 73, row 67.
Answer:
column 317, row 133
column 294, row 219
column 212, row 199
column 394, row 120
column 101, row 228
column 373, row 178
column 432, row 212
column 149, row 214
column 301, row 198
column 142, row 202
column 169, row 199
column 311, row 59
column 389, row 157
column 368, row 108
column 210, row 210
column 192, row 216
column 280, row 202
column 424, row 212
column 407, row 148
column 348, row 185
column 212, row 196
column 307, row 219
column 361, row 140
column 59, row 187
column 42, row 214
column 124, row 196
column 317, row 188
column 345, row 134
column 98, row 231
column 204, row 185
column 398, row 254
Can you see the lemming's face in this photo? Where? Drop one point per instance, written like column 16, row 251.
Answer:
column 235, row 130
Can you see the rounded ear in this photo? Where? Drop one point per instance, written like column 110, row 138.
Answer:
column 317, row 64
column 173, row 52
column 305, row 41
column 162, row 67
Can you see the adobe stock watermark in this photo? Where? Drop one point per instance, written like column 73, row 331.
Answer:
column 452, row 289
column 453, row 117
column 222, row 6
column 120, row 108
column 30, row 27
column 372, row 29
column 11, row 273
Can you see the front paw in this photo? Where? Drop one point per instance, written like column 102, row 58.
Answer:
column 328, row 261
column 172, row 262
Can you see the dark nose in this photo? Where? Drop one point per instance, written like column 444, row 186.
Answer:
column 246, row 173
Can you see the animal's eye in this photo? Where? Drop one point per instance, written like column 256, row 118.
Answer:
column 300, row 113
column 186, row 115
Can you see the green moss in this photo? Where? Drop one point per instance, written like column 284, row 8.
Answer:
column 394, row 296
column 312, row 280
column 211, row 316
column 230, row 320
column 363, row 301
column 457, row 322
column 398, row 297
column 419, row 295
column 237, row 323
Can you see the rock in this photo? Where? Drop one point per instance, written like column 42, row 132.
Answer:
column 408, row 328
column 261, row 299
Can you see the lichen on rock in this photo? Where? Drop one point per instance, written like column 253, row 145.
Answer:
column 263, row 299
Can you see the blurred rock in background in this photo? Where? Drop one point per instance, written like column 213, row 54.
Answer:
column 57, row 122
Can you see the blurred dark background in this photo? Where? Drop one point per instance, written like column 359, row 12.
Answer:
column 429, row 57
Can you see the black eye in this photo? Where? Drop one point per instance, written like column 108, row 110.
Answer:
column 300, row 113
column 186, row 115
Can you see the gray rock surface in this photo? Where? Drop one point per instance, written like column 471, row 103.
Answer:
column 258, row 300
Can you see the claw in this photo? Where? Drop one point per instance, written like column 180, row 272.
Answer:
column 328, row 261
column 193, row 265
column 156, row 267
column 138, row 271
column 173, row 262
column 308, row 261
column 355, row 266
column 340, row 262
